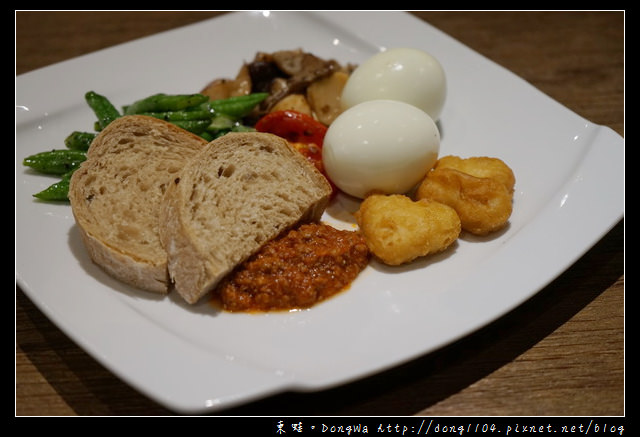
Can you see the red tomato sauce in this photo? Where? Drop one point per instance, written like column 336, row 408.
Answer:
column 303, row 267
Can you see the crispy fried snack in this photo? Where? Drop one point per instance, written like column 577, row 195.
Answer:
column 398, row 230
column 480, row 167
column 483, row 204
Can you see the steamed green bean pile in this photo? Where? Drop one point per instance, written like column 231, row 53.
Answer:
column 195, row 113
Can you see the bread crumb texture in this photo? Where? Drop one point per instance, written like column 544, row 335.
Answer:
column 116, row 193
column 240, row 192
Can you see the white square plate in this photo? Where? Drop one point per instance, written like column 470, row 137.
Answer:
column 569, row 193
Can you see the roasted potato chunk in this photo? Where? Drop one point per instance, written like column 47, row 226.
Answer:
column 225, row 88
column 293, row 102
column 324, row 96
column 398, row 230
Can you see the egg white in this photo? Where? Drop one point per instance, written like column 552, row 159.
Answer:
column 406, row 74
column 384, row 146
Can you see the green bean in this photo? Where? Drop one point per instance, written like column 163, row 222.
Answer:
column 165, row 102
column 207, row 135
column 242, row 128
column 193, row 112
column 221, row 121
column 79, row 140
column 222, row 124
column 57, row 191
column 219, row 133
column 237, row 106
column 102, row 107
column 195, row 126
column 56, row 162
column 196, row 114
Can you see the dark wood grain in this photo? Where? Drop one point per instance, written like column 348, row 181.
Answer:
column 560, row 353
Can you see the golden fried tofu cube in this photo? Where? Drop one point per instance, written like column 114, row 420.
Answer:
column 398, row 230
column 483, row 204
column 480, row 167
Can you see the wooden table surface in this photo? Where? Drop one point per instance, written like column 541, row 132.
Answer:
column 559, row 354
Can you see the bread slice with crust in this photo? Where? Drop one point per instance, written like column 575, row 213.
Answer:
column 241, row 191
column 116, row 195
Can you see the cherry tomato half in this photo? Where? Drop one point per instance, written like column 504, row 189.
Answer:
column 303, row 132
column 293, row 126
column 312, row 152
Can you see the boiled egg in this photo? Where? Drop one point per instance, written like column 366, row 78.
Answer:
column 406, row 74
column 384, row 146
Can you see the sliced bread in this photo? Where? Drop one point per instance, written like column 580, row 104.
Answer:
column 241, row 191
column 116, row 194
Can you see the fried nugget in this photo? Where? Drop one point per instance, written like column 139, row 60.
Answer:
column 480, row 167
column 398, row 230
column 483, row 204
